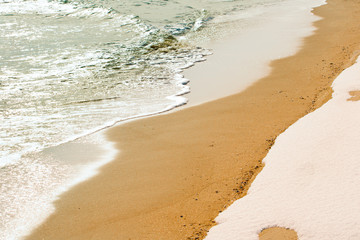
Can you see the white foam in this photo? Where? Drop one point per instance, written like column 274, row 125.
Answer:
column 39, row 183
column 38, row 7
column 37, row 174
column 310, row 182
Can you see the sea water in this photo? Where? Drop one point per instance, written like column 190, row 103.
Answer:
column 69, row 68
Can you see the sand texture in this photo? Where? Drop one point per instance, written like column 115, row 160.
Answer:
column 176, row 172
column 305, row 165
column 278, row 233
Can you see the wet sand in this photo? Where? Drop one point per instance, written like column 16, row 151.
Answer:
column 277, row 233
column 176, row 172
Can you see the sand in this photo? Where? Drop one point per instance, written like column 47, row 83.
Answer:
column 244, row 57
column 310, row 182
column 176, row 172
column 276, row 233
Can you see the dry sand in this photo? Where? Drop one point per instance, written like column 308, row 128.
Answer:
column 176, row 172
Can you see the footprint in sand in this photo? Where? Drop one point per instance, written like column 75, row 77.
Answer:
column 355, row 96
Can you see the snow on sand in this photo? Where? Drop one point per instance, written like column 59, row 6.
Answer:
column 311, row 179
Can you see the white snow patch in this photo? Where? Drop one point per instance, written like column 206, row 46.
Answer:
column 311, row 179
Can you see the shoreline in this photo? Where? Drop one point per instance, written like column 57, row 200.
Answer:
column 229, row 52
column 191, row 195
column 243, row 58
column 305, row 164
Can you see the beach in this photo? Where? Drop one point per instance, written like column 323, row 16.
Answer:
column 295, row 188
column 176, row 172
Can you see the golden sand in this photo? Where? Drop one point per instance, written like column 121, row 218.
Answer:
column 177, row 171
column 355, row 96
column 278, row 233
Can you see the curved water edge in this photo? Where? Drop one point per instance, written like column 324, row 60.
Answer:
column 57, row 59
column 41, row 176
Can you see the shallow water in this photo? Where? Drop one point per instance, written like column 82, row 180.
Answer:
column 69, row 67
